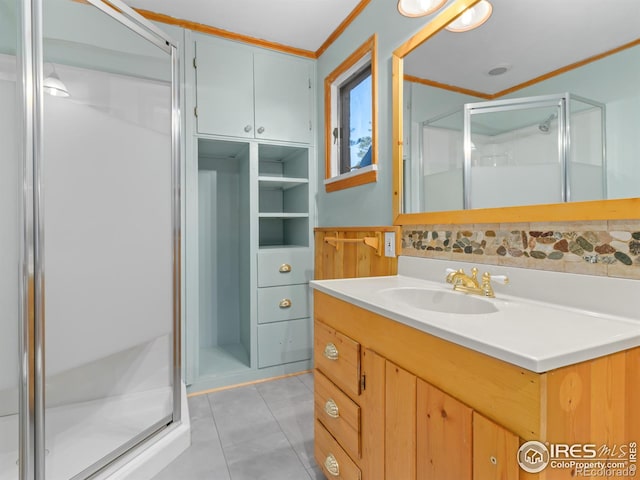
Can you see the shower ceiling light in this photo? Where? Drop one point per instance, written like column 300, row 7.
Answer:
column 54, row 86
column 472, row 17
column 419, row 8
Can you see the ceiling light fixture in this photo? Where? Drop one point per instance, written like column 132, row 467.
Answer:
column 419, row 8
column 472, row 17
column 54, row 86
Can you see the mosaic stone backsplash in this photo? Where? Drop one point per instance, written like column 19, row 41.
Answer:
column 597, row 248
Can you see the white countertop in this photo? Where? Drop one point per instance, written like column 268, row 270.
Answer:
column 535, row 335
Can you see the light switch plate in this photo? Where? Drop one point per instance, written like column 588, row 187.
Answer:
column 389, row 244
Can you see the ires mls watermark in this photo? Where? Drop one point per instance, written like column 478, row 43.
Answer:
column 583, row 459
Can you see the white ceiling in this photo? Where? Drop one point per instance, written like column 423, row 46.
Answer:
column 304, row 24
column 534, row 37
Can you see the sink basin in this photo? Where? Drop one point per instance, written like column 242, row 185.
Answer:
column 438, row 301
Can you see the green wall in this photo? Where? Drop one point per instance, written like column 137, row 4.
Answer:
column 368, row 204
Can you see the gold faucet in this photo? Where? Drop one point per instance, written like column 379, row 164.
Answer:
column 469, row 284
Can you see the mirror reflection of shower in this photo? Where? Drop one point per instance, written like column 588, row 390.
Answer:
column 545, row 127
column 520, row 151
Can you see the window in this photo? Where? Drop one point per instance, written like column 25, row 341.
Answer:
column 350, row 123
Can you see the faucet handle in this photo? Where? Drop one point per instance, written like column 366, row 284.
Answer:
column 500, row 278
column 487, row 288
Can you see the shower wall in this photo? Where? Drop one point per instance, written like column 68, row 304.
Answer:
column 10, row 173
column 10, row 261
column 106, row 206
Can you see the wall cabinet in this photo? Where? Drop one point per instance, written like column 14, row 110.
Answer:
column 433, row 410
column 246, row 92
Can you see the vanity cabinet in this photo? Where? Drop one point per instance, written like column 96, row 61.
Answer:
column 246, row 92
column 349, row 396
column 433, row 410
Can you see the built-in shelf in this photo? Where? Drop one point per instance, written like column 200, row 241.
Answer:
column 281, row 183
column 282, row 215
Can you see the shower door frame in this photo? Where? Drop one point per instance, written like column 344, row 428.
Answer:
column 32, row 284
column 561, row 101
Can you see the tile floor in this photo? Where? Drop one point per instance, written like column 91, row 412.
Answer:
column 261, row 431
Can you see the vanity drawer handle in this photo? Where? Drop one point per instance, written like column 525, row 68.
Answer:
column 331, row 408
column 284, row 268
column 330, row 352
column 285, row 303
column 260, row 129
column 331, row 464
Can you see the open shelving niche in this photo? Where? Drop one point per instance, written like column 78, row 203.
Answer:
column 283, row 196
column 224, row 219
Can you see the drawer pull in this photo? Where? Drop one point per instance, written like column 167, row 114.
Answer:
column 285, row 303
column 331, row 464
column 331, row 408
column 330, row 352
column 284, row 268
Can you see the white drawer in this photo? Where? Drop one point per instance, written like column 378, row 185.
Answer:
column 284, row 267
column 283, row 303
column 284, row 342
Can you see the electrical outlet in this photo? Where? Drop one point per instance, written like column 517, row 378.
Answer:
column 389, row 244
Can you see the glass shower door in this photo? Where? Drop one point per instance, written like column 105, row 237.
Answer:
column 515, row 152
column 108, row 242
column 10, row 251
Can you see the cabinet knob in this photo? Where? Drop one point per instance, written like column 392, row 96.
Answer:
column 331, row 464
column 493, row 460
column 330, row 351
column 284, row 268
column 260, row 129
column 331, row 408
column 247, row 128
column 285, row 303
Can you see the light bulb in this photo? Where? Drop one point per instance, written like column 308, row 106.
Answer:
column 472, row 17
column 419, row 8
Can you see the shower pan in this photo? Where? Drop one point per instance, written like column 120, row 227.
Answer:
column 518, row 151
column 90, row 229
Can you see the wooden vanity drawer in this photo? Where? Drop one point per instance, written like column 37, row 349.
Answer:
column 332, row 459
column 338, row 413
column 283, row 303
column 338, row 357
column 284, row 268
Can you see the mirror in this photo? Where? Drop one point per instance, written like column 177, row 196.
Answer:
column 519, row 113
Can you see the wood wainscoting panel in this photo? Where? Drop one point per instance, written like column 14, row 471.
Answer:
column 352, row 260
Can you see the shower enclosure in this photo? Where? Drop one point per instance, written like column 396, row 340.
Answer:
column 520, row 151
column 90, row 236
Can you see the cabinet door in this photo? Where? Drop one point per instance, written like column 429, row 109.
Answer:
column 224, row 89
column 495, row 451
column 282, row 98
column 444, row 436
column 400, row 420
column 372, row 402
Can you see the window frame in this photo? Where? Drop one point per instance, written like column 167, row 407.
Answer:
column 363, row 57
